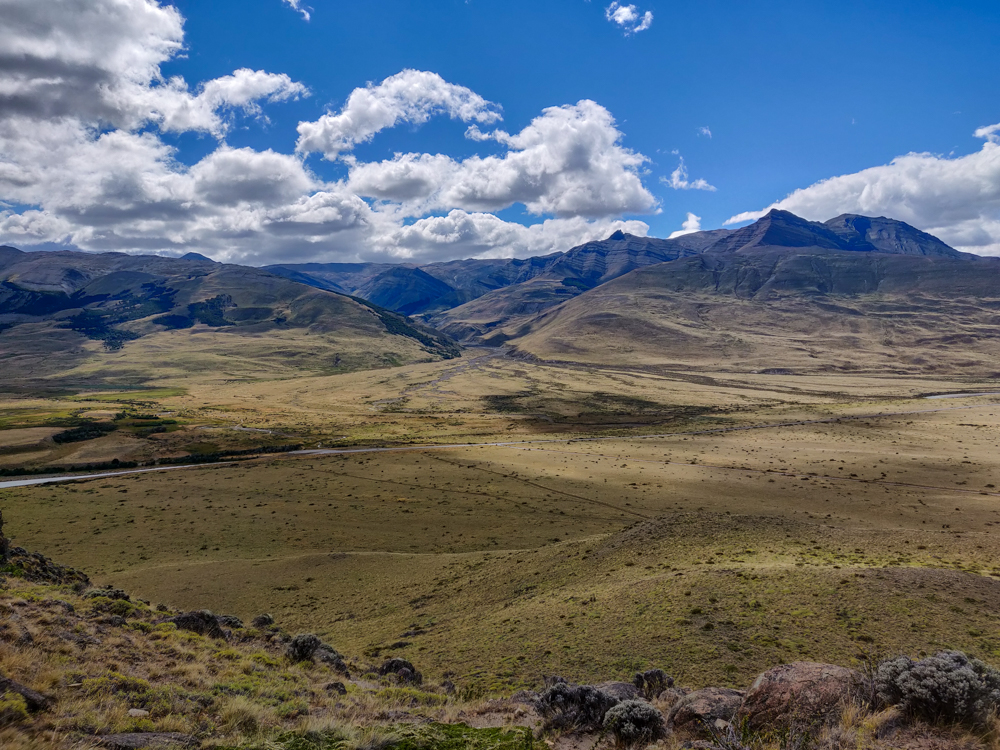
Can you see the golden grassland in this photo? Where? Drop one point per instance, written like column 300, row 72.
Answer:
column 852, row 515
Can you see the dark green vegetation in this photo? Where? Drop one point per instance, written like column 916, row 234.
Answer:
column 400, row 325
column 88, row 431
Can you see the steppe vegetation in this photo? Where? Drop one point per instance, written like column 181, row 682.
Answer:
column 533, row 519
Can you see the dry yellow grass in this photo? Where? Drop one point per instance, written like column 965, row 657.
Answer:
column 483, row 548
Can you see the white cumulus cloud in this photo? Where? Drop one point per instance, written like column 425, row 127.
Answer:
column 690, row 225
column 464, row 234
column 990, row 133
column 628, row 17
column 567, row 162
column 412, row 96
column 679, row 180
column 705, row 131
column 83, row 160
column 954, row 198
column 100, row 62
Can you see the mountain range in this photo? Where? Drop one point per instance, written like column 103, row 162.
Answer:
column 472, row 299
column 122, row 318
column 845, row 294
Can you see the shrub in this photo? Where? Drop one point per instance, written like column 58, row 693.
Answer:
column 402, row 669
column 240, row 714
column 566, row 707
column 635, row 724
column 13, row 708
column 653, row 682
column 948, row 687
column 303, row 647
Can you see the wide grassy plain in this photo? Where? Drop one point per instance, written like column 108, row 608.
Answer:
column 540, row 517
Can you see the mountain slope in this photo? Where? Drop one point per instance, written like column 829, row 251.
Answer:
column 562, row 277
column 748, row 304
column 410, row 289
column 121, row 318
column 403, row 289
column 887, row 236
column 848, row 232
column 503, row 313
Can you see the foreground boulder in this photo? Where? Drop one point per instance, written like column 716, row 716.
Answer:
column 705, row 710
column 802, row 692
column 623, row 691
column 652, row 682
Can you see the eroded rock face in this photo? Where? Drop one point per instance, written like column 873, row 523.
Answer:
column 802, row 692
column 708, row 708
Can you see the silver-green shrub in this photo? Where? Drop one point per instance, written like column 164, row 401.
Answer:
column 949, row 687
column 635, row 724
column 574, row 707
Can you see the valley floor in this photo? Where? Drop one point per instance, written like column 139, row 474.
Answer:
column 606, row 519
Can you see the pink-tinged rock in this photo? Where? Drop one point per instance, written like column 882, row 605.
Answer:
column 703, row 710
column 803, row 692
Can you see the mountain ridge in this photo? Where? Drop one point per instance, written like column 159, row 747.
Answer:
column 68, row 312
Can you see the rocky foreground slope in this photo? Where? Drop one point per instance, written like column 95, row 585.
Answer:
column 86, row 666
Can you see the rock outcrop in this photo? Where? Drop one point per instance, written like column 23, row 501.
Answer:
column 802, row 692
column 705, row 710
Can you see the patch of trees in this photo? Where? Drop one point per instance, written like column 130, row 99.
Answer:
column 89, row 431
column 211, row 312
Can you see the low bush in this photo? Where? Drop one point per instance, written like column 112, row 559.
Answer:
column 241, row 714
column 401, row 669
column 653, row 682
column 574, row 707
column 635, row 724
column 13, row 708
column 303, row 647
column 948, row 687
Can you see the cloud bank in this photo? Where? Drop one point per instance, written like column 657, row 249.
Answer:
column 84, row 108
column 954, row 198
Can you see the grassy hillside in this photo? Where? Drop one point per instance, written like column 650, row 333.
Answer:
column 800, row 311
column 119, row 319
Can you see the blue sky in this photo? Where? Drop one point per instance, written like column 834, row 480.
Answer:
column 792, row 94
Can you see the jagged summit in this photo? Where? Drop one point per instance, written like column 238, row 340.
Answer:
column 619, row 235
